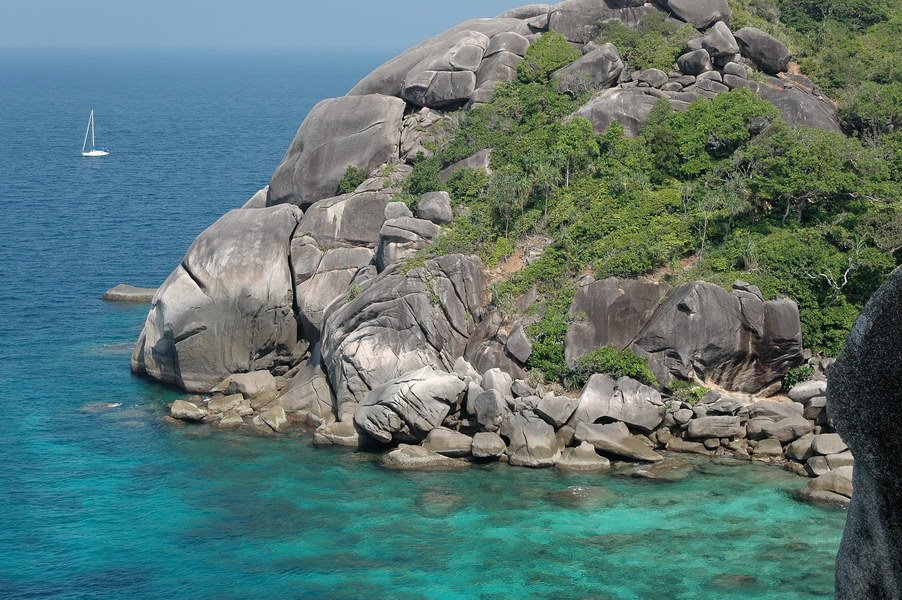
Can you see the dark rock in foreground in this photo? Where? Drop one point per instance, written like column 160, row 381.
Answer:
column 865, row 400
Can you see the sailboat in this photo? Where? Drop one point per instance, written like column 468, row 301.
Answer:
column 94, row 150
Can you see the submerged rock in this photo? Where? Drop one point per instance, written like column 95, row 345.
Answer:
column 129, row 293
column 418, row 458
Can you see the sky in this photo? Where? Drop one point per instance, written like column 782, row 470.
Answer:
column 233, row 23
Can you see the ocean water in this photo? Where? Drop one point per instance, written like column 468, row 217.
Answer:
column 99, row 503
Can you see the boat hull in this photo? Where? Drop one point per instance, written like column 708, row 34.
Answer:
column 95, row 153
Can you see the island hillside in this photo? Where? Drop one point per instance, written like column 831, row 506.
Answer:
column 573, row 233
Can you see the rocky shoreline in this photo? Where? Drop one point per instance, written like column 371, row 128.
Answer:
column 509, row 422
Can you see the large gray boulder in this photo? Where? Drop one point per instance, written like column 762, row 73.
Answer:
column 799, row 107
column 228, row 307
column 694, row 62
column 628, row 401
column 389, row 79
column 401, row 238
column 610, row 312
column 407, row 408
column 348, row 220
column 322, row 277
column 309, row 391
column 630, row 107
column 615, row 438
column 401, row 321
column 448, row 442
column 527, row 12
column 579, row 20
column 359, row 131
column 714, row 427
column 596, row 70
column 531, row 441
column 701, row 14
column 865, row 402
column 766, row 51
column 719, row 41
column 734, row 340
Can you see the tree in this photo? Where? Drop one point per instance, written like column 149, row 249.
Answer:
column 548, row 54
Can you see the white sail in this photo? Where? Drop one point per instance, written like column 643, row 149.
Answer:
column 94, row 151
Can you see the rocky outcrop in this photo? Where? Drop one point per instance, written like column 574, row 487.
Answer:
column 129, row 293
column 736, row 340
column 595, row 71
column 359, row 131
column 579, row 20
column 531, row 441
column 391, row 78
column 764, row 50
column 629, row 107
column 229, row 307
column 409, row 407
column 401, row 322
column 610, row 312
column 865, row 402
column 701, row 14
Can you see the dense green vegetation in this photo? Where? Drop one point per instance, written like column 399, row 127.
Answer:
column 613, row 361
column 655, row 44
column 721, row 191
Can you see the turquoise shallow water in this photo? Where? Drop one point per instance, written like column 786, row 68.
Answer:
column 113, row 504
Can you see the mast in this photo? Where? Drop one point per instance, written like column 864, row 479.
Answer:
column 90, row 120
column 93, row 143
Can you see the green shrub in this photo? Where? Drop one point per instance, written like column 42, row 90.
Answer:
column 614, row 362
column 548, row 54
column 352, row 179
column 656, row 43
column 874, row 109
column 796, row 376
column 687, row 391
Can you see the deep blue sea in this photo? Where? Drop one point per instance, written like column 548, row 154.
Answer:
column 114, row 504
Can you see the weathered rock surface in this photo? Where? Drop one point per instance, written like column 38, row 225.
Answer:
column 448, row 442
column 401, row 322
column 865, row 401
column 418, row 458
column 409, row 407
column 129, row 293
column 610, row 312
column 616, row 439
column 695, row 62
column 389, row 79
column 556, row 410
column 630, row 107
column 701, row 14
column 187, row 411
column 578, row 20
column 487, row 444
column 768, row 53
column 229, row 307
column 531, row 441
column 435, row 207
column 309, row 391
column 359, row 131
column 714, row 427
column 596, row 70
column 734, row 340
column 582, row 458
